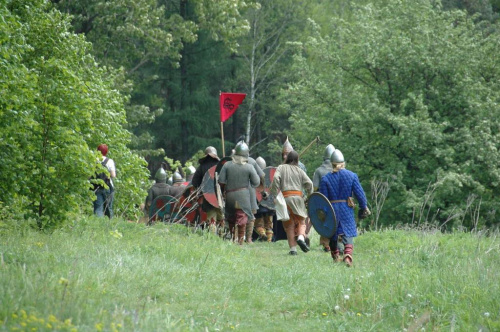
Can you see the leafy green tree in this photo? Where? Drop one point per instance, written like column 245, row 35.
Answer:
column 57, row 105
column 265, row 56
column 409, row 93
column 164, row 48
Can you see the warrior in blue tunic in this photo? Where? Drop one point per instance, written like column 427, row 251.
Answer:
column 339, row 187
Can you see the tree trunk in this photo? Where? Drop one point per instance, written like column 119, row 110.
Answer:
column 183, row 69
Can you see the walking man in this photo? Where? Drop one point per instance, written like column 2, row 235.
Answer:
column 236, row 177
column 339, row 187
column 293, row 181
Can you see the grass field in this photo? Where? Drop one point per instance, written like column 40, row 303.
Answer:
column 102, row 275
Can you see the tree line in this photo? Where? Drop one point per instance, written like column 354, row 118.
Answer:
column 408, row 90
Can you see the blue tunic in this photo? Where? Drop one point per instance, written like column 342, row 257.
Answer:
column 339, row 186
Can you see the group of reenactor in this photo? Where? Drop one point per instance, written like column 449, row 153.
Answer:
column 236, row 197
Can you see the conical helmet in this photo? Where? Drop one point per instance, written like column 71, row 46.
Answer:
column 177, row 177
column 287, row 147
column 337, row 157
column 161, row 175
column 170, row 181
column 261, row 162
column 328, row 152
column 242, row 149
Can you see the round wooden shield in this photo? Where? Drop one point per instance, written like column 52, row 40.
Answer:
column 208, row 187
column 188, row 208
column 322, row 215
column 161, row 209
column 221, row 163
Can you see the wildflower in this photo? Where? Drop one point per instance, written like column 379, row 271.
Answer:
column 116, row 234
column 324, row 314
column 358, row 314
column 346, row 297
column 409, row 296
column 99, row 326
column 24, row 314
column 62, row 281
column 486, row 314
column 337, row 308
column 348, row 289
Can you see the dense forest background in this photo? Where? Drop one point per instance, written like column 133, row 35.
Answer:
column 408, row 90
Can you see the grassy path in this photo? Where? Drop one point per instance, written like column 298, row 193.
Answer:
column 101, row 275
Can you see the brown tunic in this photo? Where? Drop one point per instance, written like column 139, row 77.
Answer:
column 292, row 178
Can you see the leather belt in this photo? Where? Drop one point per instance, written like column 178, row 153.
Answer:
column 237, row 189
column 339, row 201
column 292, row 193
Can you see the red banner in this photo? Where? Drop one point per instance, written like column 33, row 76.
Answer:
column 229, row 103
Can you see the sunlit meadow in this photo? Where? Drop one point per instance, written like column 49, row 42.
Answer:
column 101, row 275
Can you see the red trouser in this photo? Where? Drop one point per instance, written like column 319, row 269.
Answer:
column 294, row 227
column 238, row 220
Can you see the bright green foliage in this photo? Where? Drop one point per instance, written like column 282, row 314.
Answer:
column 274, row 27
column 56, row 106
column 168, row 51
column 409, row 93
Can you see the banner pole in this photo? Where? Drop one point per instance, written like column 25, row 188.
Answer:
column 222, row 128
column 222, row 132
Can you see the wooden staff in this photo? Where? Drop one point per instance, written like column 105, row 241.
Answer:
column 307, row 147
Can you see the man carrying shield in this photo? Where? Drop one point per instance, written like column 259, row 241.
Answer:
column 160, row 188
column 236, row 178
column 178, row 186
column 338, row 187
column 214, row 215
column 325, row 168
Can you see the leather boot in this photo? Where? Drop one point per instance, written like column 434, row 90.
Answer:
column 269, row 235
column 249, row 231
column 336, row 256
column 262, row 233
column 348, row 254
column 241, row 234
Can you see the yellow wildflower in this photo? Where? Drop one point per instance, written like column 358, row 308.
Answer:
column 63, row 281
